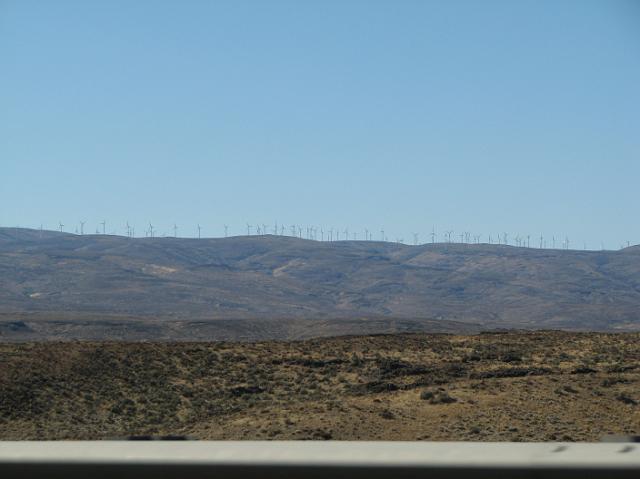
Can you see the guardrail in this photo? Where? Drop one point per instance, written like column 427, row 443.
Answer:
column 326, row 460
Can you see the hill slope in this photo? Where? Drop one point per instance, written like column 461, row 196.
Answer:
column 534, row 386
column 283, row 278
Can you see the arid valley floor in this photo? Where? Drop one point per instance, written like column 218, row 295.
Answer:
column 536, row 386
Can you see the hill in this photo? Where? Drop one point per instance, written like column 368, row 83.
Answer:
column 283, row 287
column 537, row 386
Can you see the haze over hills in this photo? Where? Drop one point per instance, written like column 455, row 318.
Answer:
column 252, row 287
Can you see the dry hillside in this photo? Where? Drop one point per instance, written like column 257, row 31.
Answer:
column 542, row 386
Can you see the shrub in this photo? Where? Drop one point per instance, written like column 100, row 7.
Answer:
column 387, row 414
column 626, row 399
column 439, row 397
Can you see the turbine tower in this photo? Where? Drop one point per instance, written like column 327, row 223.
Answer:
column 199, row 231
column 226, row 229
column 82, row 227
column 249, row 229
column 60, row 225
column 104, row 227
column 175, row 230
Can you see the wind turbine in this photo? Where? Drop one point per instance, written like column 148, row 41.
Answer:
column 382, row 234
column 61, row 226
column 264, row 229
column 175, row 230
column 415, row 239
column 447, row 235
column 433, row 235
column 506, row 239
column 150, row 229
column 541, row 241
column 104, row 226
column 249, row 229
column 226, row 229
column 82, row 227
column 199, row 231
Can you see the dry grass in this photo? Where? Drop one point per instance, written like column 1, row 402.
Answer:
column 508, row 387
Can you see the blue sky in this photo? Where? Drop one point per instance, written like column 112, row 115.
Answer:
column 487, row 117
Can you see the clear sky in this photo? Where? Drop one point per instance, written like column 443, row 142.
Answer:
column 479, row 116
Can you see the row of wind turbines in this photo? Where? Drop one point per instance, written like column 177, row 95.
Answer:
column 336, row 234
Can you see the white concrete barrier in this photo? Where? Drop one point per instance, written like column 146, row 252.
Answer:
column 311, row 459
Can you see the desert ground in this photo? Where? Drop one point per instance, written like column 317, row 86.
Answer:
column 515, row 386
